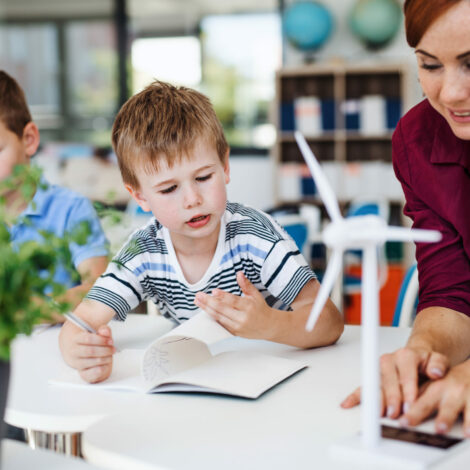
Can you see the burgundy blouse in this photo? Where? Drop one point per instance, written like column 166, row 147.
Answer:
column 433, row 166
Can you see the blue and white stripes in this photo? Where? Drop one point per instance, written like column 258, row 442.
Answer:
column 249, row 241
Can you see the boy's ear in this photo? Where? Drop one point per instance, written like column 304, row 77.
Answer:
column 30, row 139
column 138, row 197
column 227, row 167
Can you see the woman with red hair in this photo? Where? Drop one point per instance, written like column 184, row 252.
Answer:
column 431, row 158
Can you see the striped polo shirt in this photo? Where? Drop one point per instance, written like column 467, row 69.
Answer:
column 249, row 241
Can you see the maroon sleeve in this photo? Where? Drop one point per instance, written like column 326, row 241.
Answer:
column 443, row 267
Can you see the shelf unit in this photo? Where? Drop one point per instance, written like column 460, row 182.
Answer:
column 336, row 85
column 341, row 139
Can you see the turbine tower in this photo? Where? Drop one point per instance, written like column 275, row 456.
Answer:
column 365, row 233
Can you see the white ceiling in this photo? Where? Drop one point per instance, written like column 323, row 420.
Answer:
column 136, row 8
column 146, row 15
column 54, row 8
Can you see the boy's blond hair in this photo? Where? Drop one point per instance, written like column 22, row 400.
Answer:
column 163, row 122
column 14, row 112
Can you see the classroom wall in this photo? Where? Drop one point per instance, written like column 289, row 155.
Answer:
column 251, row 181
column 344, row 46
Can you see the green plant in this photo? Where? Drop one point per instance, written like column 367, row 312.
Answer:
column 28, row 292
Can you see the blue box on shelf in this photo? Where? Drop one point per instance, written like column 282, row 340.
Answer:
column 393, row 110
column 308, row 186
column 328, row 114
column 287, row 116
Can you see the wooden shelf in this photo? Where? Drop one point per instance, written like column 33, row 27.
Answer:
column 340, row 88
column 340, row 134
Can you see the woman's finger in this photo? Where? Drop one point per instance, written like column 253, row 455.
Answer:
column 437, row 366
column 408, row 362
column 391, row 390
column 353, row 399
column 423, row 407
column 450, row 406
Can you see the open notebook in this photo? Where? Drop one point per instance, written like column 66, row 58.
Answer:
column 181, row 361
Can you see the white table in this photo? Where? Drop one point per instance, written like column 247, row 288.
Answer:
column 55, row 416
column 18, row 456
column 290, row 427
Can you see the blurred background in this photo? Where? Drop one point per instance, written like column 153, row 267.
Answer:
column 338, row 70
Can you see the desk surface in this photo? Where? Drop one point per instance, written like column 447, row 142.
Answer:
column 34, row 404
column 290, row 426
column 17, row 456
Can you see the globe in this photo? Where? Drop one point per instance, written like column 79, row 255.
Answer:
column 375, row 22
column 307, row 25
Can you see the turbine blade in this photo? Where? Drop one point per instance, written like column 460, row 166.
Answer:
column 331, row 273
column 407, row 234
column 319, row 177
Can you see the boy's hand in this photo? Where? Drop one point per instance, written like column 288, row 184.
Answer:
column 248, row 316
column 91, row 354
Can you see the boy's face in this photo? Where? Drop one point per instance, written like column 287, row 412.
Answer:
column 188, row 198
column 15, row 150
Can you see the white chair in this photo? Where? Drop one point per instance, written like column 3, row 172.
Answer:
column 152, row 309
column 405, row 310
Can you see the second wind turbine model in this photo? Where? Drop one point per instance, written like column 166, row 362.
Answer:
column 365, row 233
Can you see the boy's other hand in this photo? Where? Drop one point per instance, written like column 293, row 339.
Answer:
column 91, row 354
column 248, row 316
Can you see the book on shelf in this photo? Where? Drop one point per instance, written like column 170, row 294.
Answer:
column 181, row 361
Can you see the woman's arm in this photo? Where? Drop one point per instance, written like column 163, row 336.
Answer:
column 443, row 331
column 439, row 340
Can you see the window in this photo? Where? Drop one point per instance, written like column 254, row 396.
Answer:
column 29, row 53
column 240, row 56
column 171, row 59
column 71, row 99
column 91, row 68
column 91, row 80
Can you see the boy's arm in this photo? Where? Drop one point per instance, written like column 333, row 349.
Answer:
column 91, row 354
column 328, row 328
column 251, row 317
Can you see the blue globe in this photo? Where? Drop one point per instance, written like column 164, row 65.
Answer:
column 307, row 25
column 375, row 22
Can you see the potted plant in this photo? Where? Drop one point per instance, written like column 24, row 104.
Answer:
column 28, row 292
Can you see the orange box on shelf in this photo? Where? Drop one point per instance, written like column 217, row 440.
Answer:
column 387, row 297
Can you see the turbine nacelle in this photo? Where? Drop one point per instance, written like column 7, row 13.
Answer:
column 354, row 232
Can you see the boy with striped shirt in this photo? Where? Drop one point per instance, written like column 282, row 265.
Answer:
column 199, row 251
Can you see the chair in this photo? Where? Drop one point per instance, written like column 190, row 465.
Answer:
column 365, row 206
column 297, row 224
column 152, row 309
column 407, row 302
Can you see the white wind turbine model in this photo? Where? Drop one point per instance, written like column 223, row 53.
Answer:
column 366, row 233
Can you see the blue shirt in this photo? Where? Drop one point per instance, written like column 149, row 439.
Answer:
column 58, row 210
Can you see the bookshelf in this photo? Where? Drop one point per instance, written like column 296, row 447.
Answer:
column 347, row 113
column 357, row 108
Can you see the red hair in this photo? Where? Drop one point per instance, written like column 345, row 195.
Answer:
column 420, row 14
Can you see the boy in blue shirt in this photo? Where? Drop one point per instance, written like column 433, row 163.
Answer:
column 199, row 251
column 53, row 209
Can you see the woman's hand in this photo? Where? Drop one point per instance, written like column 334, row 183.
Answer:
column 248, row 316
column 400, row 373
column 448, row 396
